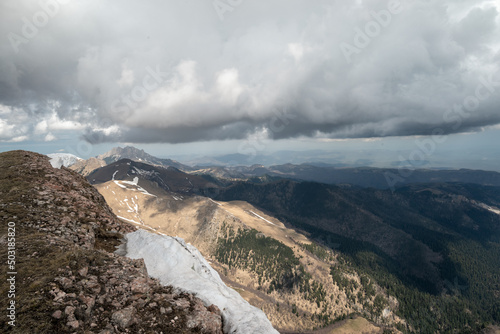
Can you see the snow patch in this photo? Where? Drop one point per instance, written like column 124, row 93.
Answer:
column 176, row 263
column 264, row 219
column 130, row 220
column 119, row 185
column 143, row 172
column 215, row 202
column 57, row 160
column 144, row 191
column 489, row 208
column 135, row 182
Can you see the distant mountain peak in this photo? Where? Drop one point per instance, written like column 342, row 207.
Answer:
column 135, row 154
column 127, row 151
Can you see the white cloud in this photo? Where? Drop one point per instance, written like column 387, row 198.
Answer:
column 228, row 86
column 50, row 137
column 6, row 129
column 127, row 77
column 55, row 124
column 5, row 110
column 12, row 131
column 41, row 127
column 19, row 139
column 114, row 129
column 297, row 50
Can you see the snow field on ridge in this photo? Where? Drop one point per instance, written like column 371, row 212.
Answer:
column 182, row 266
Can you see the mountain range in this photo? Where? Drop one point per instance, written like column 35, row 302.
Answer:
column 411, row 243
column 366, row 177
column 314, row 257
column 135, row 154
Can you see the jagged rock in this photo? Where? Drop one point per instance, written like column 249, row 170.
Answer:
column 73, row 324
column 165, row 310
column 107, row 331
column 214, row 309
column 83, row 272
column 69, row 311
column 204, row 319
column 182, row 303
column 57, row 314
column 139, row 285
column 124, row 318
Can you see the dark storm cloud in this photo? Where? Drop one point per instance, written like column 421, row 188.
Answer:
column 170, row 71
column 174, row 135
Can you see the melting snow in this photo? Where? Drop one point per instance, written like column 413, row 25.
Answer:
column 264, row 219
column 215, row 202
column 57, row 160
column 130, row 220
column 135, row 183
column 142, row 190
column 489, row 208
column 176, row 263
column 119, row 185
column 143, row 172
column 134, row 209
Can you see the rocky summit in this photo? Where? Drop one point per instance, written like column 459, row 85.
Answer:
column 57, row 243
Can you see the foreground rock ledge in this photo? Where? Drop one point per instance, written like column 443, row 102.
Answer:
column 68, row 280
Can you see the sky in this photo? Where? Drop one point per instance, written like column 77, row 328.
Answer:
column 413, row 82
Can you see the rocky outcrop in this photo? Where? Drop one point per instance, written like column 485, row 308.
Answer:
column 68, row 280
column 119, row 297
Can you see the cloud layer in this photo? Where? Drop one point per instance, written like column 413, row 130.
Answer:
column 184, row 71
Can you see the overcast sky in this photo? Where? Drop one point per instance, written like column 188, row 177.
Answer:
column 82, row 76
